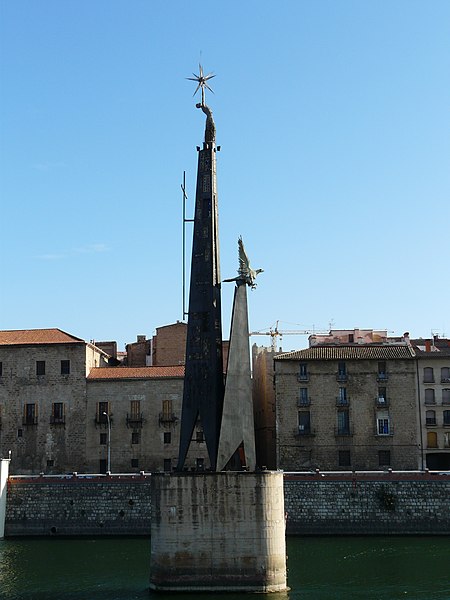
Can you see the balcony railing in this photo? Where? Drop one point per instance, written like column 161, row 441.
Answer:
column 29, row 420
column 382, row 376
column 166, row 418
column 57, row 420
column 342, row 401
column 346, row 431
column 304, row 401
column 445, row 379
column 381, row 401
column 134, row 420
column 341, row 376
column 303, row 377
column 304, row 430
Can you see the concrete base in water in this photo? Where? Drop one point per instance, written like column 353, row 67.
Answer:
column 218, row 532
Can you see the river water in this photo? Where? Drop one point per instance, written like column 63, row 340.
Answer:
column 351, row 568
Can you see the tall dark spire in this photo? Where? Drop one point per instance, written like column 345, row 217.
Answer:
column 203, row 381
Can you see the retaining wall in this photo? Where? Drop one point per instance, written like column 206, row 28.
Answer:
column 315, row 503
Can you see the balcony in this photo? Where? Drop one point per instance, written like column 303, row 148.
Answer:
column 303, row 402
column 342, row 401
column 302, row 377
column 381, row 401
column 30, row 420
column 343, row 431
column 430, row 421
column 57, row 420
column 304, row 431
column 167, row 418
column 134, row 420
column 445, row 379
column 342, row 376
column 382, row 377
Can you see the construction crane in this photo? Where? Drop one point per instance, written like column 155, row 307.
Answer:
column 275, row 333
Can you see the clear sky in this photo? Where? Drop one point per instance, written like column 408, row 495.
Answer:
column 333, row 118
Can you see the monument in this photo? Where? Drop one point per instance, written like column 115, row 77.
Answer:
column 223, row 528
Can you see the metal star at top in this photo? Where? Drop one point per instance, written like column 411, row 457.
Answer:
column 202, row 82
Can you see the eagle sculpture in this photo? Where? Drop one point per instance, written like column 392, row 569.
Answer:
column 245, row 273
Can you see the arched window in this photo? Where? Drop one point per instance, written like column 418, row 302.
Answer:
column 430, row 417
column 428, row 375
column 429, row 396
column 446, row 417
column 432, row 439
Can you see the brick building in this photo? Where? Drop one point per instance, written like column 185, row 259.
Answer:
column 347, row 406
column 43, row 399
column 433, row 380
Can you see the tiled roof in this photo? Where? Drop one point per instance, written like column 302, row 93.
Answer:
column 136, row 372
column 350, row 352
column 37, row 336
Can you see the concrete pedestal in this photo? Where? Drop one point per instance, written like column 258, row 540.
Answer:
column 218, row 532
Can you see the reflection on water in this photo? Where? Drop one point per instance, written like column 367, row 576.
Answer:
column 369, row 568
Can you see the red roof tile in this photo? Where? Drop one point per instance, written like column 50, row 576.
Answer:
column 136, row 372
column 356, row 352
column 37, row 336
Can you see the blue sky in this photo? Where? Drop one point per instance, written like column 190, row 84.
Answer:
column 333, row 118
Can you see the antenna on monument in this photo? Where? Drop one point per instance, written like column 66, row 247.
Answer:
column 184, row 198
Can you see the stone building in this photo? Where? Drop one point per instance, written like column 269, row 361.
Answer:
column 433, row 379
column 347, row 406
column 43, row 399
column 264, row 405
column 144, row 409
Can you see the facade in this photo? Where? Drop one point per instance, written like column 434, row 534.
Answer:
column 144, row 408
column 347, row 406
column 433, row 381
column 43, row 399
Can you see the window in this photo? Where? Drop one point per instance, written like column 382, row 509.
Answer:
column 351, row 338
column 445, row 375
column 135, row 437
column 1, row 369
column 199, row 437
column 57, row 415
column 342, row 370
column 40, row 368
column 303, row 399
column 30, row 414
column 103, row 439
column 167, row 465
column 446, row 415
column 384, row 458
column 445, row 396
column 382, row 373
column 428, row 375
column 167, row 437
column 303, row 373
column 135, row 408
column 65, row 367
column 382, row 396
column 343, row 420
column 430, row 417
column 102, row 465
column 432, row 439
column 304, row 422
column 429, row 396
column 344, row 459
column 383, row 425
column 200, row 464
column 102, row 408
column 50, row 462
column 20, row 433
column 135, row 463
column 446, row 440
column 342, row 399
column 167, row 415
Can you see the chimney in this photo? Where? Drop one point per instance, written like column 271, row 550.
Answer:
column 406, row 337
column 427, row 346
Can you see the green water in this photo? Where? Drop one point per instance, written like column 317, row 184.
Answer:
column 375, row 568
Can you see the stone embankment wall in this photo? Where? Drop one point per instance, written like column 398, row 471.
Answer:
column 315, row 503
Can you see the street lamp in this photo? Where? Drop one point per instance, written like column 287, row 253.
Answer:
column 108, row 468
